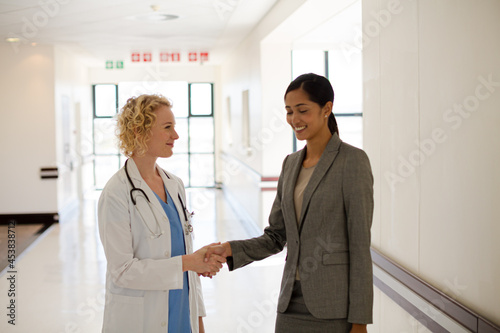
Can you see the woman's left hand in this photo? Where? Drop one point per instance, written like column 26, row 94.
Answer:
column 358, row 328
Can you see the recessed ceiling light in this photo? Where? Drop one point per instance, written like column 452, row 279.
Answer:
column 12, row 39
column 155, row 17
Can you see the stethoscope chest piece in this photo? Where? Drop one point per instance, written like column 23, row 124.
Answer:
column 189, row 228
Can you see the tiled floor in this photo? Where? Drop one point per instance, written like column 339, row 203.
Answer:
column 59, row 284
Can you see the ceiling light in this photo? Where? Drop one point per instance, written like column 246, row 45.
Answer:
column 155, row 17
column 12, row 39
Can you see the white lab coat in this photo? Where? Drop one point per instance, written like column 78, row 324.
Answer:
column 140, row 269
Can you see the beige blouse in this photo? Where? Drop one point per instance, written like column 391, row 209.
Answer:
column 298, row 196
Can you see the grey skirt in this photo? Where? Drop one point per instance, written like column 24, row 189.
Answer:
column 298, row 319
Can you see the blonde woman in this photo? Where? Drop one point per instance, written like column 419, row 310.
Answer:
column 151, row 280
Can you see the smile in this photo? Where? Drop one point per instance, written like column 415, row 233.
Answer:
column 300, row 128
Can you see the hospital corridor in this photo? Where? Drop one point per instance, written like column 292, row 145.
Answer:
column 61, row 277
column 250, row 166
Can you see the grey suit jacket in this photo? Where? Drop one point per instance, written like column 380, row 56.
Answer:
column 332, row 247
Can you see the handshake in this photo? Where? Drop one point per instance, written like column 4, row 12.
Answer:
column 208, row 260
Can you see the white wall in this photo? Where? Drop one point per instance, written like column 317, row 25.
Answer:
column 73, row 105
column 27, row 129
column 431, row 127
column 263, row 68
column 154, row 72
column 40, row 87
column 262, row 64
column 275, row 136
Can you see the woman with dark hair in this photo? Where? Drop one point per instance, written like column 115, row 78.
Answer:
column 323, row 212
column 320, row 91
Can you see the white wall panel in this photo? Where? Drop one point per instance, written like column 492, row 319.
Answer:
column 264, row 70
column 372, row 126
column 27, row 129
column 393, row 29
column 431, row 100
column 459, row 190
column 275, row 135
column 73, row 102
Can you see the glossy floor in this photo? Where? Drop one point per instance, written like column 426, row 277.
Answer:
column 59, row 280
column 16, row 238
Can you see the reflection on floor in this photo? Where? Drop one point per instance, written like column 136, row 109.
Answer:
column 59, row 282
column 22, row 235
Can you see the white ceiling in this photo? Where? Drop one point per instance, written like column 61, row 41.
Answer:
column 107, row 28
column 342, row 28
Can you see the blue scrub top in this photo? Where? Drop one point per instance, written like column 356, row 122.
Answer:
column 178, row 299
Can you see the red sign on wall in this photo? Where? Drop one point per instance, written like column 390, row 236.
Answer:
column 193, row 56
column 170, row 56
column 136, row 57
column 147, row 57
column 176, row 56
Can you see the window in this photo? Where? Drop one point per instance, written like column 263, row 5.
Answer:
column 346, row 80
column 105, row 102
column 107, row 157
column 193, row 160
column 201, row 142
column 200, row 99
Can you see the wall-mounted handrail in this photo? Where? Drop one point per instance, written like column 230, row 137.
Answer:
column 442, row 302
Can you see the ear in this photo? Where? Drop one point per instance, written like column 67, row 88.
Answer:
column 327, row 109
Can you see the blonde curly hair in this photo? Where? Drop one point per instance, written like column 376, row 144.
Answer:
column 134, row 123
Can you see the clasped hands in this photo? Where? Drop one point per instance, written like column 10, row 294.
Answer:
column 208, row 260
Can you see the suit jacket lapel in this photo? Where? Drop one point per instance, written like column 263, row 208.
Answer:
column 324, row 164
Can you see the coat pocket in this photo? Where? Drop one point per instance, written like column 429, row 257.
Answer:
column 123, row 314
column 336, row 258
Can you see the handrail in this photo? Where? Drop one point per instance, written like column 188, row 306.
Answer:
column 445, row 304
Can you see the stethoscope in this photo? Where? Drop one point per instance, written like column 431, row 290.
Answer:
column 188, row 227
